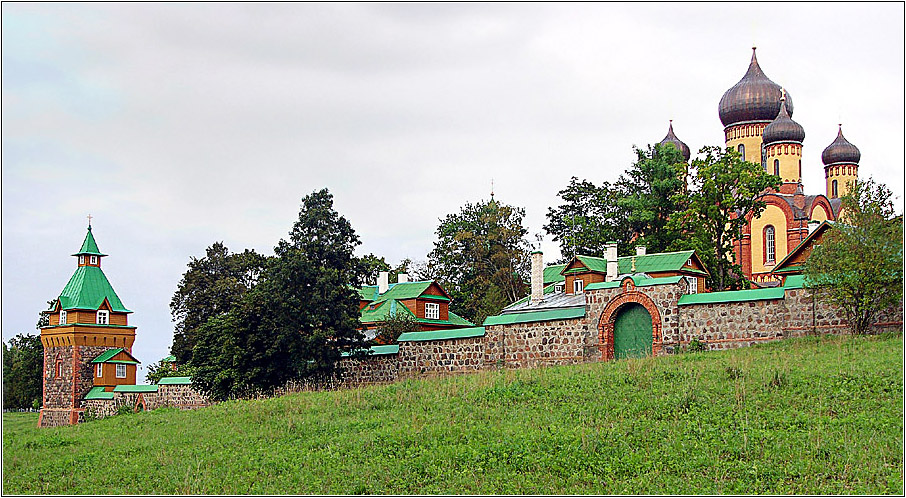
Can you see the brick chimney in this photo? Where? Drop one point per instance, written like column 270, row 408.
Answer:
column 537, row 277
column 612, row 265
column 383, row 281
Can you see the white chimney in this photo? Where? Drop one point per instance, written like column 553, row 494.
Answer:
column 537, row 277
column 402, row 278
column 383, row 281
column 612, row 264
column 640, row 250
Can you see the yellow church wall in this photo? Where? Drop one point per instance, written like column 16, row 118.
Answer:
column 750, row 136
column 774, row 216
column 819, row 214
column 790, row 158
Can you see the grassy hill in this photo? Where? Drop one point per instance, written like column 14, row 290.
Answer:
column 815, row 415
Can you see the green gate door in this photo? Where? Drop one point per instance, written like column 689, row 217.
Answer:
column 632, row 332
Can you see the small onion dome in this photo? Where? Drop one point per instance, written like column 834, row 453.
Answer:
column 679, row 144
column 754, row 98
column 783, row 129
column 841, row 151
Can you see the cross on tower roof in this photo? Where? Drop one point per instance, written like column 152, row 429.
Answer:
column 89, row 220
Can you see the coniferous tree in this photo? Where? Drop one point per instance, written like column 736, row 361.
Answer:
column 23, row 364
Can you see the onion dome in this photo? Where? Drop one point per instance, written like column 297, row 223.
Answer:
column 841, row 151
column 783, row 129
column 754, row 98
column 679, row 144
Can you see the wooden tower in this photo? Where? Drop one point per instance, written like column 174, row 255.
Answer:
column 86, row 320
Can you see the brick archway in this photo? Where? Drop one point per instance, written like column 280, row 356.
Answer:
column 609, row 317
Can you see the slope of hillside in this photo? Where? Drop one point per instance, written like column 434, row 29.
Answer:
column 807, row 416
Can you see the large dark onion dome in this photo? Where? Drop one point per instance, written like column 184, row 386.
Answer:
column 679, row 144
column 840, row 151
column 754, row 98
column 783, row 129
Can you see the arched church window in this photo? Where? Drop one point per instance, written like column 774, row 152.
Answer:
column 776, row 167
column 769, row 249
column 834, row 189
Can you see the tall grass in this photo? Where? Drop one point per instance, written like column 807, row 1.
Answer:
column 819, row 415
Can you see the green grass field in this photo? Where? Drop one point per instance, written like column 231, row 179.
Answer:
column 814, row 416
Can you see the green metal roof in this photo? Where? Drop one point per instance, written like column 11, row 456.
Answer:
column 552, row 274
column 169, row 359
column 368, row 292
column 98, row 392
column 110, row 353
column 136, row 389
column 536, row 316
column 383, row 311
column 452, row 318
column 404, row 290
column 174, row 381
column 732, row 296
column 87, row 289
column 379, row 350
column 89, row 246
column 794, row 282
column 663, row 261
column 437, row 335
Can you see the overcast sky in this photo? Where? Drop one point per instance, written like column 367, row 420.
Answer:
column 180, row 124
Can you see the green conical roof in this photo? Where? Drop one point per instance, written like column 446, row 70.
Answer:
column 89, row 246
column 87, row 289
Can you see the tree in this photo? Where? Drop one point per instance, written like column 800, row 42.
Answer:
column 723, row 191
column 588, row 219
column 210, row 287
column 371, row 265
column 481, row 257
column 858, row 266
column 23, row 366
column 651, row 191
column 161, row 369
column 392, row 327
column 44, row 316
column 297, row 320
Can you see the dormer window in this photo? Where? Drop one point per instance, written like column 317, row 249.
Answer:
column 578, row 286
column 81, row 260
column 94, row 260
column 62, row 317
column 103, row 317
column 432, row 311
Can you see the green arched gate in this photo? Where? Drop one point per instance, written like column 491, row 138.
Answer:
column 632, row 333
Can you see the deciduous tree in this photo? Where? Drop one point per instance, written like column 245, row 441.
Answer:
column 723, row 190
column 481, row 257
column 858, row 266
column 588, row 219
column 23, row 364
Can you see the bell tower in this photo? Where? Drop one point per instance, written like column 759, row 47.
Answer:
column 841, row 165
column 86, row 320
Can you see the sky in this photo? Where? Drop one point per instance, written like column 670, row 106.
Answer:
column 176, row 125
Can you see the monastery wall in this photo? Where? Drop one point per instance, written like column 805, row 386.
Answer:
column 439, row 357
column 375, row 369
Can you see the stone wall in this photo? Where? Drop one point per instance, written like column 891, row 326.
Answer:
column 62, row 394
column 180, row 396
column 732, row 325
column 532, row 344
column 375, row 369
column 429, row 358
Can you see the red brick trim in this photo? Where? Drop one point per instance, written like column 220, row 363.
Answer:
column 609, row 316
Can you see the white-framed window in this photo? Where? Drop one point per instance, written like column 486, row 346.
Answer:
column 62, row 317
column 558, row 287
column 94, row 260
column 693, row 285
column 432, row 311
column 99, row 370
column 769, row 252
column 81, row 260
column 120, row 371
column 578, row 286
column 103, row 317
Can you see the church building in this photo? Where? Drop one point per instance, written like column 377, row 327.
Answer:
column 757, row 117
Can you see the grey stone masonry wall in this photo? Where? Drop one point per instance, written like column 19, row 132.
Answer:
column 375, row 369
column 179, row 396
column 63, row 393
column 429, row 358
column 732, row 325
column 532, row 344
